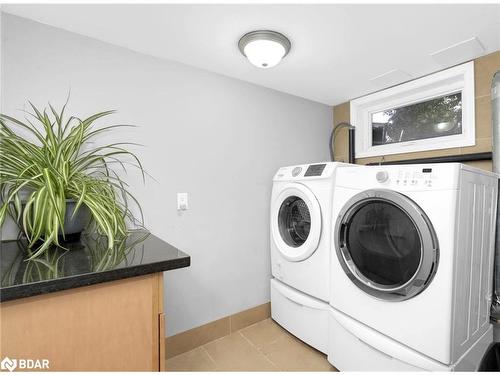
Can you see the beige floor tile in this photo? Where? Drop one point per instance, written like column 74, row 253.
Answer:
column 264, row 333
column 236, row 353
column 264, row 346
column 291, row 354
column 194, row 360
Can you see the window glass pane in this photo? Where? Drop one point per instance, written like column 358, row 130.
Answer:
column 438, row 117
column 384, row 244
column 294, row 221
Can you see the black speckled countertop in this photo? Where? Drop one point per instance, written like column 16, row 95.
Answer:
column 84, row 262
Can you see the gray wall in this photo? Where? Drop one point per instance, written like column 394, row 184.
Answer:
column 219, row 139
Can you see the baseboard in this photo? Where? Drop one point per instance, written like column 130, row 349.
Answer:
column 188, row 340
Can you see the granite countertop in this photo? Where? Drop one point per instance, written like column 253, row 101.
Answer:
column 84, row 262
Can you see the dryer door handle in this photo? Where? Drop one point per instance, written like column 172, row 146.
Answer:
column 386, row 345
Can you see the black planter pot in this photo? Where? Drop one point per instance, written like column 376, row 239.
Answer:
column 73, row 226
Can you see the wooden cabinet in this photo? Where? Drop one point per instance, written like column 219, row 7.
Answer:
column 113, row 326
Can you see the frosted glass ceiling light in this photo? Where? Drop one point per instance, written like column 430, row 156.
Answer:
column 264, row 48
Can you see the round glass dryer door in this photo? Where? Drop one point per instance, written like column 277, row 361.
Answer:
column 386, row 244
column 296, row 222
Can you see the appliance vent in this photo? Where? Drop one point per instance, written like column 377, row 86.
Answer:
column 459, row 52
column 391, row 78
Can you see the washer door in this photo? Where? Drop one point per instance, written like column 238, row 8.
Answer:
column 296, row 222
column 386, row 244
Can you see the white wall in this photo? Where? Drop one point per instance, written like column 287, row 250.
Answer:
column 219, row 139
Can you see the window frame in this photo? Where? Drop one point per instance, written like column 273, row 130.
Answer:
column 456, row 79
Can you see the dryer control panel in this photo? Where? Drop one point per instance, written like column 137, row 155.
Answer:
column 306, row 171
column 315, row 170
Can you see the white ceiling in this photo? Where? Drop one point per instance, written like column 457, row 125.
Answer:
column 336, row 49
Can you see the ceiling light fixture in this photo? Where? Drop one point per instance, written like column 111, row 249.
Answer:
column 264, row 48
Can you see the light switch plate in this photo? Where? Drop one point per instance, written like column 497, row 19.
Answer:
column 182, row 201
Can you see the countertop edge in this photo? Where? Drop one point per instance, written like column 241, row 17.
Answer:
column 87, row 279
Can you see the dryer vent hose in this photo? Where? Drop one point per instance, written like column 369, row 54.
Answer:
column 351, row 140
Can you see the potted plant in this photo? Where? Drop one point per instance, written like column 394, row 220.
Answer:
column 68, row 182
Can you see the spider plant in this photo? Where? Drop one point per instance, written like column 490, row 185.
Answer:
column 56, row 161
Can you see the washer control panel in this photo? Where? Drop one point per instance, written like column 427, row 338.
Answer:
column 407, row 177
column 411, row 177
column 421, row 177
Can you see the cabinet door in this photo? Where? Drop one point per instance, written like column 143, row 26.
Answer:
column 112, row 326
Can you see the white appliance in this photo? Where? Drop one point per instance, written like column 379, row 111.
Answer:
column 301, row 215
column 412, row 271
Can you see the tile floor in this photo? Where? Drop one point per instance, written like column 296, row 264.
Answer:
column 263, row 346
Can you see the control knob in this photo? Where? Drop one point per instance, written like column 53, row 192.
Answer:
column 382, row 176
column 296, row 171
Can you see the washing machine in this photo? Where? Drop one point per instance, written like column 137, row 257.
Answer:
column 412, row 272
column 301, row 203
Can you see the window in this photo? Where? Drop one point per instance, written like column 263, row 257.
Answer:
column 430, row 113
